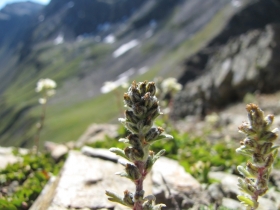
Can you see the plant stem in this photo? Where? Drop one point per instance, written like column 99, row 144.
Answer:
column 41, row 124
column 259, row 179
column 139, row 186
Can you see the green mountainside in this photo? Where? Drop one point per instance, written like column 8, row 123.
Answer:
column 81, row 67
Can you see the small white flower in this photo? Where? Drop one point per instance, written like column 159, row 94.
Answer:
column 42, row 100
column 170, row 85
column 45, row 84
column 46, row 88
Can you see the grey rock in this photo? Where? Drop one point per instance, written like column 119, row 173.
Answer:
column 232, row 204
column 266, row 204
column 84, row 180
column 99, row 153
column 228, row 183
column 273, row 196
column 216, row 193
column 57, row 150
column 245, row 64
column 275, row 178
column 175, row 187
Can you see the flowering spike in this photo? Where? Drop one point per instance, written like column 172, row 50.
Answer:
column 46, row 87
column 142, row 109
column 258, row 144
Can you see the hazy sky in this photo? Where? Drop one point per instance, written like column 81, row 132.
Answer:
column 4, row 2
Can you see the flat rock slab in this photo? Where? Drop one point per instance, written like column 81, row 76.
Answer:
column 171, row 182
column 168, row 173
column 84, row 180
column 87, row 174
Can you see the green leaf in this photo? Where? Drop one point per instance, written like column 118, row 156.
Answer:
column 119, row 152
column 244, row 172
column 6, row 205
column 158, row 155
column 114, row 197
column 124, row 140
column 124, row 174
column 247, row 201
column 164, row 136
column 244, row 151
column 243, row 186
column 161, row 137
column 274, row 151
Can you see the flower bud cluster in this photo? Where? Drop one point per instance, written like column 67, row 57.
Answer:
column 142, row 109
column 258, row 144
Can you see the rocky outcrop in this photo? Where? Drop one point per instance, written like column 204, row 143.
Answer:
column 242, row 58
column 86, row 175
column 246, row 64
column 95, row 63
column 252, row 16
column 176, row 188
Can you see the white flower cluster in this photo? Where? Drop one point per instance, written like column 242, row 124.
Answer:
column 170, row 85
column 47, row 88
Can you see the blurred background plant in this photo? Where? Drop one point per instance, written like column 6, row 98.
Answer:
column 259, row 146
column 46, row 87
column 166, row 90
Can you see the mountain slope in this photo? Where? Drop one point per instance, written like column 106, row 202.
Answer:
column 81, row 67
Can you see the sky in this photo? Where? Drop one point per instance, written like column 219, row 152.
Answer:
column 4, row 2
